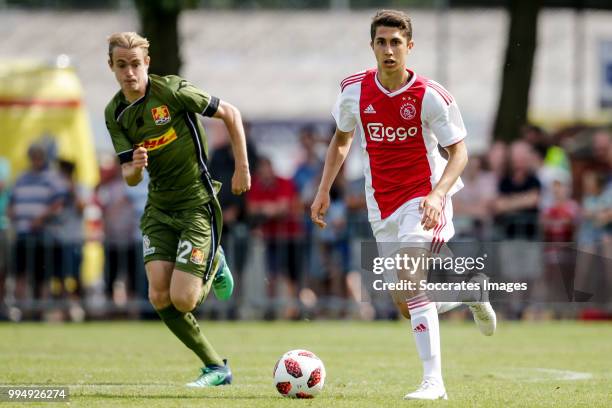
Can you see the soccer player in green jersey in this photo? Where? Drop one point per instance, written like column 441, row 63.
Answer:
column 153, row 124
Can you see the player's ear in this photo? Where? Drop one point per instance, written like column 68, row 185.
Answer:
column 147, row 61
column 410, row 45
column 110, row 63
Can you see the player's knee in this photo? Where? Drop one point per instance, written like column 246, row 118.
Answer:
column 403, row 309
column 184, row 303
column 159, row 299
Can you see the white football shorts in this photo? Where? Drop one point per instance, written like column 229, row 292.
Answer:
column 403, row 228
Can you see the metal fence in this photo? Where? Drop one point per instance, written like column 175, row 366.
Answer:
column 309, row 276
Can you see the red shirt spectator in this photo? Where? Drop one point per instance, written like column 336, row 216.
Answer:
column 273, row 203
column 560, row 219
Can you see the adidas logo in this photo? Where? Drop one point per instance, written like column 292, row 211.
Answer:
column 369, row 109
column 421, row 328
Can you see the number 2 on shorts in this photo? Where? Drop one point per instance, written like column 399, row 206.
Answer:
column 184, row 250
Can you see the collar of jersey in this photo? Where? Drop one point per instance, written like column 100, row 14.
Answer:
column 137, row 101
column 398, row 91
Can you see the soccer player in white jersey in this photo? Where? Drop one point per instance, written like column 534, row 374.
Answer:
column 401, row 118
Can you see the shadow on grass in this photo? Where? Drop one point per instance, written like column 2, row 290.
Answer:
column 179, row 396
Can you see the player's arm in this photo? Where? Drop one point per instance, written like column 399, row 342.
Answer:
column 443, row 116
column 230, row 115
column 132, row 170
column 196, row 100
column 133, row 161
column 457, row 160
column 431, row 206
column 343, row 113
column 336, row 154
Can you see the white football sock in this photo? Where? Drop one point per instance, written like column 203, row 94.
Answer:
column 444, row 307
column 426, row 331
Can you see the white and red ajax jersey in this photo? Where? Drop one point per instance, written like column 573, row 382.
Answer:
column 400, row 132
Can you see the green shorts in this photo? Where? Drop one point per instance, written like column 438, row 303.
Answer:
column 189, row 238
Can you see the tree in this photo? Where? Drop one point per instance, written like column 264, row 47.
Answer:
column 159, row 24
column 518, row 66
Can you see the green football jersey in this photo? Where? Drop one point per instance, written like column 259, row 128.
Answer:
column 164, row 122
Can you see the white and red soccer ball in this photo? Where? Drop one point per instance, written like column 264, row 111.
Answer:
column 299, row 374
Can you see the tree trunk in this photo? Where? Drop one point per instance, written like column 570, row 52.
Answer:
column 159, row 24
column 520, row 51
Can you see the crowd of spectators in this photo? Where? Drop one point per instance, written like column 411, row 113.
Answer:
column 541, row 188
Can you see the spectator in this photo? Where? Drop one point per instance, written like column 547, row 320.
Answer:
column 549, row 167
column 588, row 149
column 333, row 246
column 559, row 222
column 602, row 144
column 590, row 233
column 306, row 179
column 235, row 236
column 310, row 164
column 68, row 231
column 137, row 195
column 537, row 137
column 473, row 204
column 516, row 219
column 273, row 205
column 497, row 159
column 516, row 207
column 120, row 226
column 35, row 201
column 604, row 219
column 359, row 230
column 5, row 170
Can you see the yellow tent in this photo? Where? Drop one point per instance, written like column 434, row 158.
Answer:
column 39, row 100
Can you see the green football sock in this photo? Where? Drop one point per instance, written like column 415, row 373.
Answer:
column 186, row 328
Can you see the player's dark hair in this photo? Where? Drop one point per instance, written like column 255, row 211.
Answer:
column 392, row 18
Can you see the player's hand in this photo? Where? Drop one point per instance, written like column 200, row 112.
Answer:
column 430, row 208
column 241, row 181
column 140, row 158
column 318, row 209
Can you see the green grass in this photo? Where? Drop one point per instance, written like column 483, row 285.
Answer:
column 368, row 364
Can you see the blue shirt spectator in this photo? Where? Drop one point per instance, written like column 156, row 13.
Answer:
column 36, row 196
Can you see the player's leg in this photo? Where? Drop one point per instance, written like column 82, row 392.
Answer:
column 478, row 303
column 223, row 281
column 425, row 327
column 414, row 242
column 482, row 311
column 181, row 324
column 191, row 281
column 392, row 239
column 161, row 237
column 159, row 274
column 185, row 291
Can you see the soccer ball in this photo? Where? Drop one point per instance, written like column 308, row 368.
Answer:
column 299, row 374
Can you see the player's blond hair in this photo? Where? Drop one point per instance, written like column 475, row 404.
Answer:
column 129, row 40
column 392, row 18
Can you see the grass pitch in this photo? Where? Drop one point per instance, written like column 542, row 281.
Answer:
column 554, row 364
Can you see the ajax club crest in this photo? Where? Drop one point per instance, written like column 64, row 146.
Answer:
column 161, row 115
column 408, row 111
